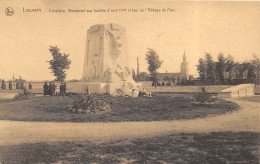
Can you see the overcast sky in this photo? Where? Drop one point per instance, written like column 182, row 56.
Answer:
column 195, row 27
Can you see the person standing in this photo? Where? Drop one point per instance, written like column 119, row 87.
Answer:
column 61, row 87
column 53, row 88
column 50, row 89
column 45, row 89
column 17, row 85
column 30, row 86
column 10, row 85
column 22, row 85
column 64, row 88
column 3, row 85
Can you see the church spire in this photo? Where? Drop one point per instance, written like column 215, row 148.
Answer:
column 184, row 68
column 184, row 57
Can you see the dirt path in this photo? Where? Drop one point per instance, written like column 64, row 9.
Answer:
column 14, row 132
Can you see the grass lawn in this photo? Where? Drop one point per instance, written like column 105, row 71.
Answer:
column 221, row 147
column 159, row 107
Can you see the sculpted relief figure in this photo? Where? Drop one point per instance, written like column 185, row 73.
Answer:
column 106, row 57
column 106, row 54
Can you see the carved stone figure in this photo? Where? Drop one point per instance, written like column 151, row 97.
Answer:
column 106, row 58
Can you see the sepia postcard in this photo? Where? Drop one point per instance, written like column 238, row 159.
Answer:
column 96, row 81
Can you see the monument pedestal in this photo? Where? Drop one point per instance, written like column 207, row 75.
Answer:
column 104, row 88
column 97, row 87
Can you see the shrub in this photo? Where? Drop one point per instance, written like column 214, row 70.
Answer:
column 24, row 95
column 87, row 103
column 202, row 97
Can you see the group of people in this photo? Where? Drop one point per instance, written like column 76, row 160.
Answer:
column 161, row 84
column 17, row 85
column 51, row 89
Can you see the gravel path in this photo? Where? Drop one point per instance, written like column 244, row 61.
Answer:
column 17, row 132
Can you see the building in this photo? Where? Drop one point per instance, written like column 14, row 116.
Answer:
column 182, row 75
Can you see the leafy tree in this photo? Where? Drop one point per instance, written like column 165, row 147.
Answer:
column 59, row 64
column 221, row 67
column 229, row 67
column 244, row 70
column 154, row 63
column 201, row 68
column 256, row 64
column 210, row 69
column 247, row 70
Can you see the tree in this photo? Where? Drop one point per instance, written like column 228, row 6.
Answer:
column 201, row 68
column 256, row 64
column 210, row 69
column 59, row 64
column 244, row 70
column 229, row 67
column 221, row 67
column 154, row 63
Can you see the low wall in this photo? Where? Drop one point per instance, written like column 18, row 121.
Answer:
column 242, row 90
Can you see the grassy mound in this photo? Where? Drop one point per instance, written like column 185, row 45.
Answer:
column 158, row 107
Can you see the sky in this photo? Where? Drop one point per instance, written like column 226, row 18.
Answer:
column 232, row 28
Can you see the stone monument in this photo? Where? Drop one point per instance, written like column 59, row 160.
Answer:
column 106, row 67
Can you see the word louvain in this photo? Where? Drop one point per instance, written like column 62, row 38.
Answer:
column 32, row 10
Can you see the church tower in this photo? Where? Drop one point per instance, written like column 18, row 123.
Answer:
column 184, row 68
